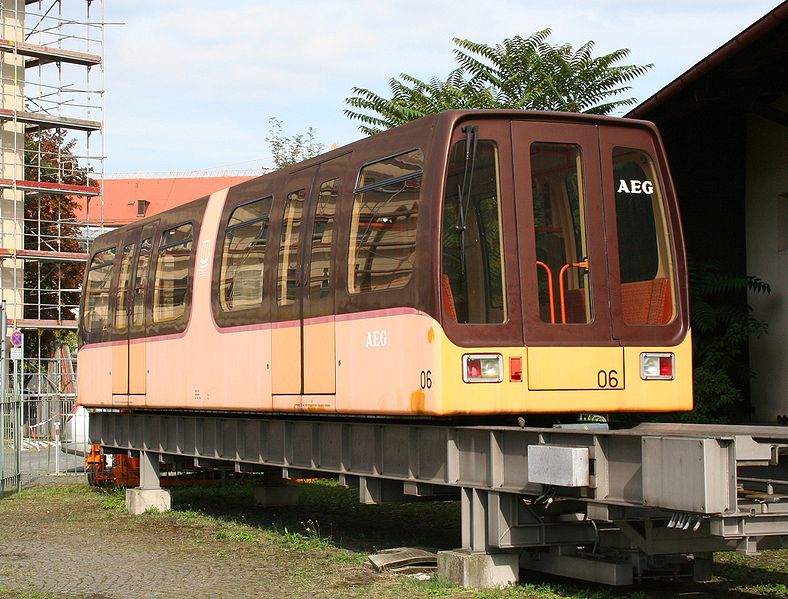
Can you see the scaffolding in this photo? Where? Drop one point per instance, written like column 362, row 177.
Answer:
column 52, row 169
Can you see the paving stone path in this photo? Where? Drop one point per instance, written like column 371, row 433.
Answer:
column 74, row 546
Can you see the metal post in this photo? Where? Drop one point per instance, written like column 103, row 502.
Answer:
column 3, row 371
column 149, row 470
column 20, row 427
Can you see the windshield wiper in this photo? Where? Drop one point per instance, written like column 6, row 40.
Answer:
column 464, row 190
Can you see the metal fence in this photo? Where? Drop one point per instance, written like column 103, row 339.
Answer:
column 42, row 433
column 10, row 445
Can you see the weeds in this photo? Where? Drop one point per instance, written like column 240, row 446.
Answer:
column 307, row 540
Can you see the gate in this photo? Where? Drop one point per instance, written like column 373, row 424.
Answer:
column 10, row 444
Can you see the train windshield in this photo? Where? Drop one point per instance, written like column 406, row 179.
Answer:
column 588, row 232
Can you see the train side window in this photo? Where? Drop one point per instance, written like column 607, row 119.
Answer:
column 140, row 277
column 322, row 238
column 472, row 243
column 645, row 260
column 121, row 308
column 172, row 273
column 287, row 276
column 560, row 230
column 96, row 315
column 383, row 226
column 243, row 256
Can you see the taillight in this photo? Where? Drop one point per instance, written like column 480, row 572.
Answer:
column 657, row 366
column 482, row 368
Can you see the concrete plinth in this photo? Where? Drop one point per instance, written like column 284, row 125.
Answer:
column 138, row 501
column 479, row 570
column 276, row 496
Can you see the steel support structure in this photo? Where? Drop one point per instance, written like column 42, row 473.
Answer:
column 604, row 505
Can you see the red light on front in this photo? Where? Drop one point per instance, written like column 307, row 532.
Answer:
column 474, row 368
column 516, row 369
column 666, row 366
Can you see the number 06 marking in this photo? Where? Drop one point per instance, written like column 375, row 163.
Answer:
column 607, row 379
column 426, row 379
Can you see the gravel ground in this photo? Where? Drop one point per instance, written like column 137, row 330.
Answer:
column 65, row 539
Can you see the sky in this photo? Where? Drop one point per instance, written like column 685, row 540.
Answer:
column 190, row 85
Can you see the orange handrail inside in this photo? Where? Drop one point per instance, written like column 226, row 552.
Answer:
column 549, row 288
column 564, row 268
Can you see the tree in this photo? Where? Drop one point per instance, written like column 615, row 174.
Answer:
column 521, row 73
column 50, row 225
column 289, row 150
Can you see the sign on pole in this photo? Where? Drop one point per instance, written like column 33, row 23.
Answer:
column 17, row 345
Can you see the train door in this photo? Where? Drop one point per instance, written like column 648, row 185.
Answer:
column 640, row 249
column 120, row 320
column 563, row 266
column 480, row 284
column 128, row 356
column 287, row 307
column 319, row 281
column 304, row 349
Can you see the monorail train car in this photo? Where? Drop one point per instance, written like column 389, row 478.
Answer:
column 468, row 263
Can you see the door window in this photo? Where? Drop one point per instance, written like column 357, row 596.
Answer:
column 560, row 226
column 473, row 271
column 287, row 277
column 121, row 307
column 322, row 238
column 140, row 277
column 643, row 242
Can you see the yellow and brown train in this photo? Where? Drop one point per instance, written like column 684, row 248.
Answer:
column 468, row 263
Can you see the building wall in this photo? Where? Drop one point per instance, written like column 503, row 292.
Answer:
column 767, row 258
column 12, row 156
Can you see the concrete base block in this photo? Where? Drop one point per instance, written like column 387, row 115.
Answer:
column 276, row 496
column 479, row 570
column 138, row 501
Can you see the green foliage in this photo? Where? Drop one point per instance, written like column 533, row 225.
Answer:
column 722, row 324
column 521, row 73
column 243, row 536
column 114, row 499
column 289, row 150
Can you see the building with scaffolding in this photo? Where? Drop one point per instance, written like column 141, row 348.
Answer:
column 51, row 128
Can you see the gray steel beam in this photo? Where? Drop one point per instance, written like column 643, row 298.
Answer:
column 650, row 471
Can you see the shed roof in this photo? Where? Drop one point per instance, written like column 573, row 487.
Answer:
column 746, row 73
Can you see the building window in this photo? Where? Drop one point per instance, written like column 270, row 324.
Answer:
column 142, row 207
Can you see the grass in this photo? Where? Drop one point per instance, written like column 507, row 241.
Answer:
column 321, row 545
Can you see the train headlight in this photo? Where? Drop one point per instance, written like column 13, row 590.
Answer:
column 655, row 366
column 482, row 368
